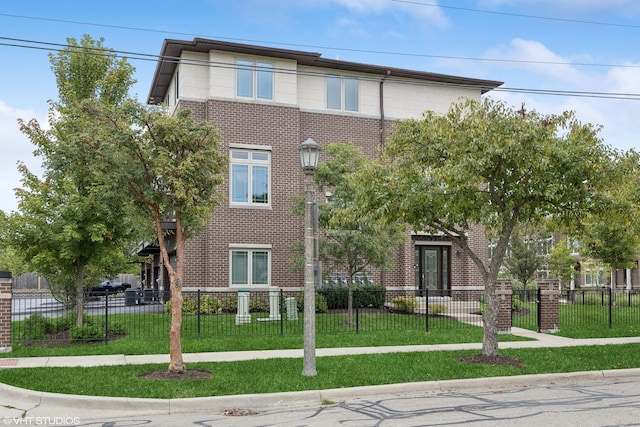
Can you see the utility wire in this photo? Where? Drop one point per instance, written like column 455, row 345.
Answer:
column 346, row 49
column 518, row 15
column 57, row 47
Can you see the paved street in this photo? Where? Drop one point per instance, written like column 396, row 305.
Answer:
column 587, row 400
column 596, row 398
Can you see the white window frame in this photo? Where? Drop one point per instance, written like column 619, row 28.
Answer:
column 343, row 98
column 251, row 162
column 250, row 250
column 256, row 68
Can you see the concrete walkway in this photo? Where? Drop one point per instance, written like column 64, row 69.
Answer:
column 12, row 398
column 537, row 341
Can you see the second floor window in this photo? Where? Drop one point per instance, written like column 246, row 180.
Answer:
column 342, row 93
column 250, row 177
column 254, row 79
column 250, row 267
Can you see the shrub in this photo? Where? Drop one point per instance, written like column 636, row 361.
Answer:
column 35, row 327
column 336, row 298
column 436, row 309
column 405, row 304
column 229, row 304
column 209, row 304
column 259, row 304
column 371, row 296
column 321, row 303
column 367, row 296
column 87, row 332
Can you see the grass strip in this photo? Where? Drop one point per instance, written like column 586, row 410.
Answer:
column 280, row 375
column 133, row 346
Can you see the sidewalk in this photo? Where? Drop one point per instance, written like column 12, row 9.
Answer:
column 537, row 341
column 33, row 402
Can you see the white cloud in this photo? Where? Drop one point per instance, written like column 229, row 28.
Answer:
column 428, row 14
column 15, row 146
column 622, row 7
column 534, row 57
column 618, row 117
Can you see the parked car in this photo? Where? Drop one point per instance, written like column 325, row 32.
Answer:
column 107, row 287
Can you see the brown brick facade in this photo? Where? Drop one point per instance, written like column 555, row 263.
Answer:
column 282, row 129
column 549, row 306
column 5, row 311
column 504, row 294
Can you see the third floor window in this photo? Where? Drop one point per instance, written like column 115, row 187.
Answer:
column 342, row 93
column 254, row 79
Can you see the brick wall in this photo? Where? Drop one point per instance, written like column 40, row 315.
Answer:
column 549, row 306
column 283, row 128
column 504, row 293
column 5, row 311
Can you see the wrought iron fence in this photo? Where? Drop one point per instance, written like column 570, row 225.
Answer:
column 140, row 313
column 602, row 307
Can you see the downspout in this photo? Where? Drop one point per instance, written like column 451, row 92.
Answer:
column 383, row 131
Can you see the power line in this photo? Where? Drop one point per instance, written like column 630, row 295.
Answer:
column 518, row 15
column 56, row 47
column 346, row 49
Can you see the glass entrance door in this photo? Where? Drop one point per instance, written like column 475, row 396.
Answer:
column 432, row 270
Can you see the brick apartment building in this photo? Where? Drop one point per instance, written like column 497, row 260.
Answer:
column 266, row 101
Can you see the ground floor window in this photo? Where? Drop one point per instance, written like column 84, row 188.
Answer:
column 250, row 267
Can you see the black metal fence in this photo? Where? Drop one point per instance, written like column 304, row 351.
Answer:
column 604, row 307
column 38, row 316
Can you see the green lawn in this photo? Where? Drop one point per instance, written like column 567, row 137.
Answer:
column 278, row 375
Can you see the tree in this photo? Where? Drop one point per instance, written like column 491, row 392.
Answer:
column 561, row 263
column 612, row 233
column 483, row 164
column 351, row 241
column 172, row 166
column 523, row 260
column 67, row 224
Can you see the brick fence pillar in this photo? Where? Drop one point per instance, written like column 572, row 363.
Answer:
column 504, row 293
column 549, row 310
column 5, row 311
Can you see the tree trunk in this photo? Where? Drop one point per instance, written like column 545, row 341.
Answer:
column 176, row 275
column 490, row 320
column 176, row 362
column 80, row 294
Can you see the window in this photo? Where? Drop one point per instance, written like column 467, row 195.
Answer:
column 250, row 267
column 342, row 93
column 254, row 79
column 250, row 177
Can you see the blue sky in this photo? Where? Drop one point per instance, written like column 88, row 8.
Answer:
column 562, row 45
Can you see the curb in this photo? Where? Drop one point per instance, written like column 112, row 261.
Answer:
column 262, row 402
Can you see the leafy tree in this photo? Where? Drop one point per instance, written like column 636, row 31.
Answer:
column 561, row 263
column 485, row 164
column 523, row 259
column 67, row 224
column 172, row 166
column 10, row 259
column 351, row 242
column 612, row 233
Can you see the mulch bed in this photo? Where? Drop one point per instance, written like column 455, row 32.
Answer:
column 492, row 360
column 189, row 374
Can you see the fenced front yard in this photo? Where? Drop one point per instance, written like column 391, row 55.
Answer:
column 37, row 316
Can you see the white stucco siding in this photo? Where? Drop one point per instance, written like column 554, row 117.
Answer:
column 403, row 100
column 193, row 77
column 222, row 77
column 311, row 89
